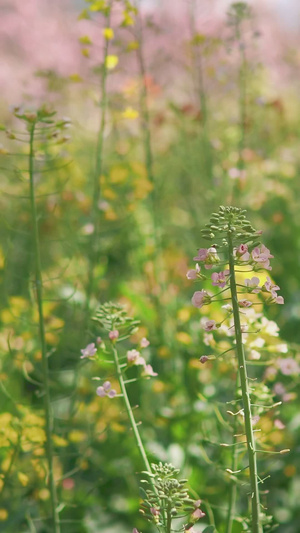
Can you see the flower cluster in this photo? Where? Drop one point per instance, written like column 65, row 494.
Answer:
column 106, row 390
column 258, row 258
column 207, row 256
column 134, row 358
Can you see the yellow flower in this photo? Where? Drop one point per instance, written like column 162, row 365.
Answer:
column 111, row 62
column 130, row 113
column 23, row 479
column 108, row 33
column 85, row 39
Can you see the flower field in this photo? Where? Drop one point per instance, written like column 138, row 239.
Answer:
column 149, row 267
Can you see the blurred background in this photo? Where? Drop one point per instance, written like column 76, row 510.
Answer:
column 201, row 108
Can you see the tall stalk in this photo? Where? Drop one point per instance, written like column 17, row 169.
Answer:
column 240, row 246
column 45, row 369
column 198, row 78
column 95, row 214
column 239, row 12
column 255, row 500
column 145, row 125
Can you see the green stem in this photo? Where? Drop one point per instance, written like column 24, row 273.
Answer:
column 169, row 520
column 39, row 298
column 242, row 81
column 133, row 423
column 198, row 76
column 233, row 485
column 255, row 501
column 163, row 323
column 95, row 215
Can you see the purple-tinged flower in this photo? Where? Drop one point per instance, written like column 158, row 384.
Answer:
column 253, row 285
column 288, row 366
column 200, row 298
column 135, row 530
column 278, row 424
column 149, row 372
column 88, row 351
column 261, row 255
column 279, row 389
column 134, row 358
column 270, row 287
column 245, row 303
column 98, row 340
column 144, row 343
column 193, row 273
column 106, row 390
column 113, row 335
column 242, row 252
column 210, row 325
column 242, row 249
column 101, row 392
column 208, row 256
column 279, row 300
column 255, row 419
column 197, row 514
column 203, row 359
column 219, row 279
column 154, row 511
column 202, row 255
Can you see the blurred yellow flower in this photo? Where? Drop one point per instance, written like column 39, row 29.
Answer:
column 23, row 479
column 183, row 337
column 130, row 113
column 108, row 33
column 111, row 62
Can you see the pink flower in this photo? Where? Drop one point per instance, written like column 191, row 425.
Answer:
column 288, row 366
column 242, row 252
column 278, row 424
column 202, row 255
column 88, row 351
column 219, row 279
column 99, row 340
column 262, row 256
column 203, row 359
column 135, row 530
column 113, row 335
column 279, row 389
column 68, row 483
column 106, row 390
column 148, row 371
column 210, row 325
column 279, row 300
column 270, row 287
column 200, row 298
column 197, row 514
column 245, row 303
column 209, row 256
column 252, row 285
column 193, row 273
column 144, row 343
column 134, row 358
